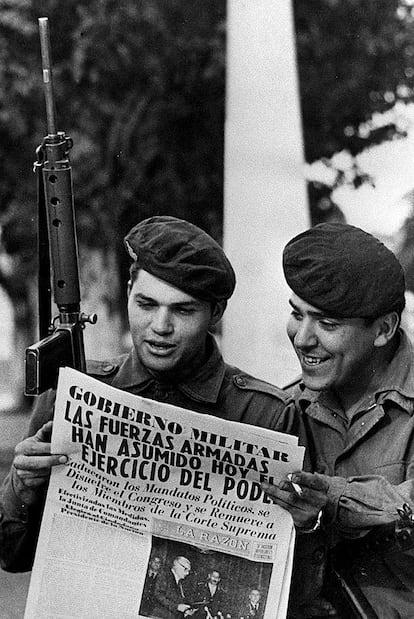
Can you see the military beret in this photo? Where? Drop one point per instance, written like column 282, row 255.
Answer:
column 344, row 271
column 183, row 255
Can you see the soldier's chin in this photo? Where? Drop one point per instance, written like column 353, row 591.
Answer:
column 160, row 364
column 315, row 383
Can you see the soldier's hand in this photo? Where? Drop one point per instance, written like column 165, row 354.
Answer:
column 32, row 464
column 303, row 499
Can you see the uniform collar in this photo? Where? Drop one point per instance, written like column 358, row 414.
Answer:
column 202, row 386
column 397, row 385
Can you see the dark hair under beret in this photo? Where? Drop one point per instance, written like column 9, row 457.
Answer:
column 183, row 255
column 344, row 271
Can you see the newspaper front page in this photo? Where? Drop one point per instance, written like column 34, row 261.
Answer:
column 151, row 491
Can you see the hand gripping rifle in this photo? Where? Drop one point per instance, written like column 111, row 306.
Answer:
column 61, row 341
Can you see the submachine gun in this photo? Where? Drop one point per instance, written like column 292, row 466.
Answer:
column 61, row 340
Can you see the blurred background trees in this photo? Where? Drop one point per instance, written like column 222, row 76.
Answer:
column 140, row 87
column 355, row 61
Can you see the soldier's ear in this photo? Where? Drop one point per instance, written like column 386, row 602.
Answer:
column 129, row 286
column 217, row 312
column 387, row 326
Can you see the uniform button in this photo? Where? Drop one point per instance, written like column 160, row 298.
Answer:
column 318, row 556
column 240, row 381
column 362, row 423
column 334, row 414
column 108, row 367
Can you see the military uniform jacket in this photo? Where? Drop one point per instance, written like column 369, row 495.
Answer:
column 215, row 388
column 369, row 464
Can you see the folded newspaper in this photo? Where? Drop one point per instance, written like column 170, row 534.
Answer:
column 159, row 512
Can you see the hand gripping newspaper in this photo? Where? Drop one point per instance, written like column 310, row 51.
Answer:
column 159, row 512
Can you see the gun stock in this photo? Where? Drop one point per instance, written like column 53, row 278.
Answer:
column 64, row 344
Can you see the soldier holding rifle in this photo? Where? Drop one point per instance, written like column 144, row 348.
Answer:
column 356, row 397
column 180, row 280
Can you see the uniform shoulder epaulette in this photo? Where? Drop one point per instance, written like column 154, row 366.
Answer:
column 102, row 369
column 250, row 383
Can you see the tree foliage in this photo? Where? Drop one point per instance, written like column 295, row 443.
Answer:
column 139, row 86
column 356, row 59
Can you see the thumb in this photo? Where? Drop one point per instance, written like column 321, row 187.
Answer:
column 44, row 434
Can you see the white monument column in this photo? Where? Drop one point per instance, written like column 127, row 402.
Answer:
column 265, row 192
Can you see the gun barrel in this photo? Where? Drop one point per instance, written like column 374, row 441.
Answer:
column 56, row 213
column 47, row 74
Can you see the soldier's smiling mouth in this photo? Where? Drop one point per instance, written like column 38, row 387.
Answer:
column 312, row 361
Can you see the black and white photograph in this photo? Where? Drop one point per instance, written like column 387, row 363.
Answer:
column 209, row 205
column 183, row 580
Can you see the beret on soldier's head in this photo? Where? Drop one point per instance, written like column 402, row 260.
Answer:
column 344, row 271
column 183, row 255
